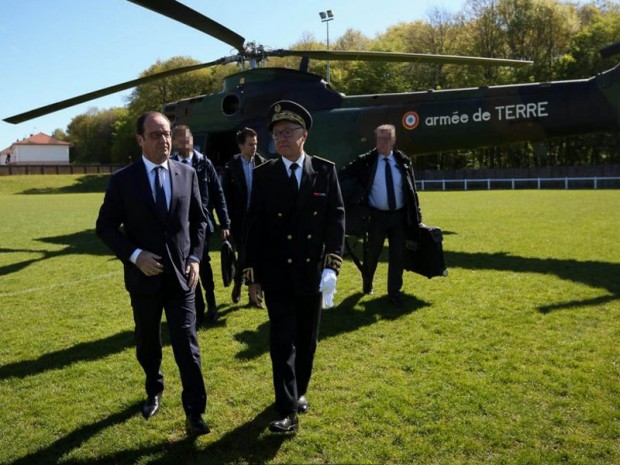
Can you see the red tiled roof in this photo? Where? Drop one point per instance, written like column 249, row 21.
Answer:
column 41, row 139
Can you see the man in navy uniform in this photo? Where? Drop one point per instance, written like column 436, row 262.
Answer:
column 294, row 244
column 237, row 184
column 386, row 177
column 212, row 197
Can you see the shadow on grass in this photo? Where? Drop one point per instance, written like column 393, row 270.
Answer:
column 82, row 352
column 245, row 444
column 83, row 184
column 602, row 275
column 334, row 322
column 85, row 351
column 58, row 449
column 80, row 243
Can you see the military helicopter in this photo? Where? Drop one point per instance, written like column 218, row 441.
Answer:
column 426, row 121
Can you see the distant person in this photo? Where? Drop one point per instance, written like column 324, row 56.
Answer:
column 152, row 219
column 237, row 183
column 7, row 160
column 294, row 242
column 386, row 175
column 212, row 197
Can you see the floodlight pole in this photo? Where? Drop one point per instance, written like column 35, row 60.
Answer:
column 326, row 17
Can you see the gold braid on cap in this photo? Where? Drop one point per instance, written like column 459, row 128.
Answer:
column 333, row 261
column 248, row 275
column 289, row 116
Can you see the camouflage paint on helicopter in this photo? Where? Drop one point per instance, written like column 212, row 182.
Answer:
column 426, row 122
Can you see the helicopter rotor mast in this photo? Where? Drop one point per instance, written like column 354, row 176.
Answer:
column 248, row 51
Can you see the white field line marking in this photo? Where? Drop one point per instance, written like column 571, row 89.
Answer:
column 52, row 286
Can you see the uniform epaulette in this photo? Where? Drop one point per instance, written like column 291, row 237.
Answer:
column 323, row 160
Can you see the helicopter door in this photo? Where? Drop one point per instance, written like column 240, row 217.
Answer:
column 219, row 147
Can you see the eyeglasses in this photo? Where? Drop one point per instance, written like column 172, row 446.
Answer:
column 156, row 135
column 285, row 133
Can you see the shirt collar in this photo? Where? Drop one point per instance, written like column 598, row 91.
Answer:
column 299, row 161
column 150, row 166
column 390, row 156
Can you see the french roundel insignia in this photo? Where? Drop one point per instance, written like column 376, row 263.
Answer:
column 410, row 120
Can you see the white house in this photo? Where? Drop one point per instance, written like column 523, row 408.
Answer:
column 39, row 149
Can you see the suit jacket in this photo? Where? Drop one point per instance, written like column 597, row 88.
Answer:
column 128, row 220
column 359, row 175
column 290, row 240
column 210, row 190
column 236, row 192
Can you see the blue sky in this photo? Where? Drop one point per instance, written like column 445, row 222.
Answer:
column 53, row 50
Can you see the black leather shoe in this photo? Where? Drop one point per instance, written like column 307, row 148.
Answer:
column 195, row 425
column 236, row 293
column 288, row 424
column 212, row 313
column 368, row 289
column 302, row 404
column 151, row 406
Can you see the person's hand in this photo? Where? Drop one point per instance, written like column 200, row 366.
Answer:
column 256, row 294
column 225, row 234
column 191, row 272
column 149, row 263
column 328, row 287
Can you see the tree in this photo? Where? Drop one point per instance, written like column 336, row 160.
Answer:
column 154, row 95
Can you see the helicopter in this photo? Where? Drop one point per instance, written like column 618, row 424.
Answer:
column 428, row 121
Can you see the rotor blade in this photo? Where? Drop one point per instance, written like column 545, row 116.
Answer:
column 111, row 90
column 184, row 14
column 345, row 55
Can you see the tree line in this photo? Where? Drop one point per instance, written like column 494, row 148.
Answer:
column 563, row 39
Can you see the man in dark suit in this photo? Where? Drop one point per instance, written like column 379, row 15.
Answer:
column 212, row 198
column 152, row 219
column 237, row 184
column 388, row 185
column 294, row 242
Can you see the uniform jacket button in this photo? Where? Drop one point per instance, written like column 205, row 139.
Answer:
column 307, row 260
column 290, row 260
column 289, row 237
column 309, row 236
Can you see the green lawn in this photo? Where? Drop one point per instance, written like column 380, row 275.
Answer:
column 514, row 358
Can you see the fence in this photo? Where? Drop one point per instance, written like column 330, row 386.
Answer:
column 566, row 182
column 17, row 169
column 594, row 182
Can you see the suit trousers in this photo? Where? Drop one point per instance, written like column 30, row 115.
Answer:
column 181, row 318
column 390, row 224
column 206, row 282
column 293, row 337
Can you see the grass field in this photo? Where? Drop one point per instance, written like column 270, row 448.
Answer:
column 514, row 358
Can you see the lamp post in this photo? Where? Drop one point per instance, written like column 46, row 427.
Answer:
column 326, row 17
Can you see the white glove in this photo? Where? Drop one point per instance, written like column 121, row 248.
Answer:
column 328, row 287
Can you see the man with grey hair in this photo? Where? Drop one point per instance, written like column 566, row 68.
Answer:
column 385, row 175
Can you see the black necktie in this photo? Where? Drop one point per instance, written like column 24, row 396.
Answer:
column 292, row 179
column 160, row 195
column 185, row 161
column 389, row 185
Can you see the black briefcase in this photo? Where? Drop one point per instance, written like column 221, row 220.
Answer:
column 228, row 263
column 424, row 253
